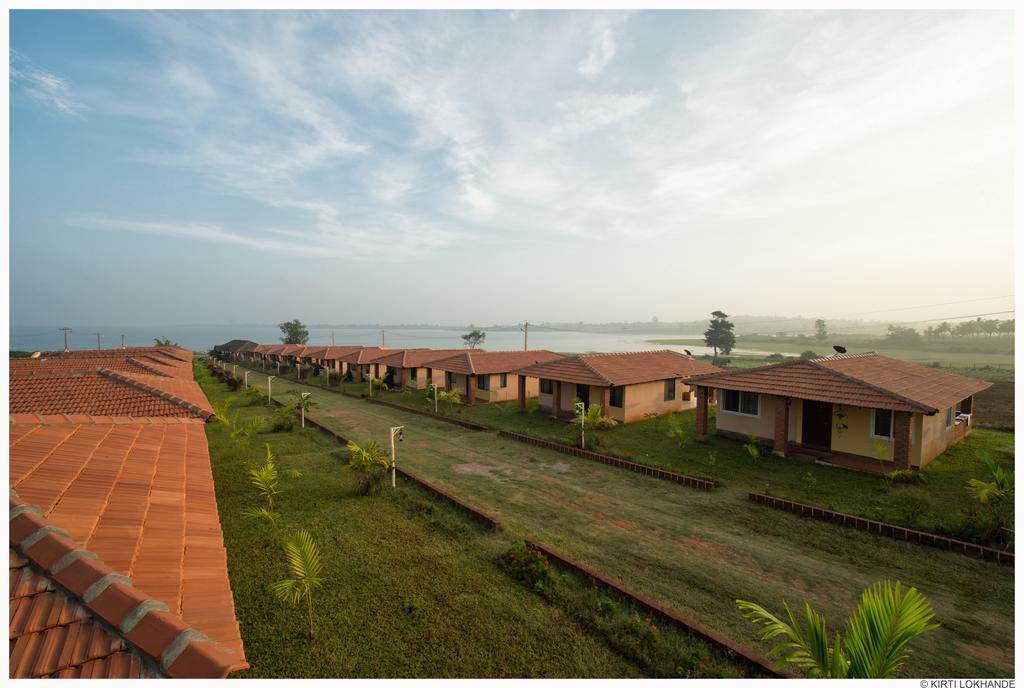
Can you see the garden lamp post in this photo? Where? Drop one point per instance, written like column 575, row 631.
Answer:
column 434, row 388
column 302, row 406
column 270, row 389
column 247, row 378
column 234, row 371
column 581, row 410
column 396, row 431
column 279, row 366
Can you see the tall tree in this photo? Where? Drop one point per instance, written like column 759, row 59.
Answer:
column 820, row 332
column 294, row 332
column 719, row 334
column 473, row 338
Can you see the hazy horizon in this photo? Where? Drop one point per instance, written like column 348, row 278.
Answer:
column 491, row 167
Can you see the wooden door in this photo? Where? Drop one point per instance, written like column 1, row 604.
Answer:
column 817, row 424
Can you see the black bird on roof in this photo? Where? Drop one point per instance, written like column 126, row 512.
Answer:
column 839, row 349
column 687, row 352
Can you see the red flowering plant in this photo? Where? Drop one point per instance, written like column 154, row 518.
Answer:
column 528, row 564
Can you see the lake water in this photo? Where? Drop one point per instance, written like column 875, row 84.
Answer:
column 204, row 337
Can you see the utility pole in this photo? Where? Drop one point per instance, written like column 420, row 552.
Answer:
column 66, row 330
column 526, row 334
column 98, row 335
column 122, row 341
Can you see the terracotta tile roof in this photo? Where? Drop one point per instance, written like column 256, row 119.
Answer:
column 478, row 362
column 108, row 393
column 291, row 350
column 154, row 360
column 263, row 348
column 869, row 380
column 139, row 497
column 629, row 368
column 416, row 358
column 363, row 354
column 274, row 349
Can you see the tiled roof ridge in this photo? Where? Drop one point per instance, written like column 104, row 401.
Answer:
column 173, row 648
column 633, row 353
column 150, row 369
column 924, row 408
column 167, row 396
column 591, row 368
column 94, row 419
column 863, row 354
column 165, row 351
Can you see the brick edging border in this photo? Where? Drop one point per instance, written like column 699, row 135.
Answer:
column 688, row 625
column 644, row 469
column 884, row 529
column 429, row 414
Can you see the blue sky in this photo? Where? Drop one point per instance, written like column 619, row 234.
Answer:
column 491, row 167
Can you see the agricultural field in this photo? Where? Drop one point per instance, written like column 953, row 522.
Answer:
column 413, row 588
column 697, row 552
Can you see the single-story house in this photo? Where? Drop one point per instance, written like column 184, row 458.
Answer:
column 628, row 386
column 261, row 351
column 407, row 366
column 487, row 375
column 327, row 357
column 236, row 348
column 359, row 362
column 863, row 411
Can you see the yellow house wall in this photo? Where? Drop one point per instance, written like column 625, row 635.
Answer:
column 762, row 425
column 935, row 437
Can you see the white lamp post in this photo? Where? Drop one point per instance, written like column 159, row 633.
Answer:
column 581, row 410
column 396, row 431
column 270, row 389
column 234, row 371
column 434, row 387
column 247, row 379
column 302, row 408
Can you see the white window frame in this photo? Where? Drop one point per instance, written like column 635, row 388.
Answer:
column 739, row 411
column 892, row 426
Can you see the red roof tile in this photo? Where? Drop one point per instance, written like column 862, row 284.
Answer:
column 363, row 354
column 478, row 362
column 106, row 392
column 868, row 380
column 415, row 358
column 630, row 368
column 140, row 496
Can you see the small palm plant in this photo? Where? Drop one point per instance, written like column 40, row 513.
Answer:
column 877, row 634
column 306, row 569
column 678, row 431
column 593, row 418
column 370, row 463
column 265, row 479
column 1000, row 487
column 263, row 514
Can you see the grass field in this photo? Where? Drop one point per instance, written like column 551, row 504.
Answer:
column 987, row 359
column 941, row 504
column 698, row 552
column 413, row 588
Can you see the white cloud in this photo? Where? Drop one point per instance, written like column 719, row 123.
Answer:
column 601, row 50
column 42, row 86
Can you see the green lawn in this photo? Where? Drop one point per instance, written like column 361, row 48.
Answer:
column 941, row 504
column 697, row 552
column 413, row 589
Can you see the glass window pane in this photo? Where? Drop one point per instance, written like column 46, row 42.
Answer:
column 749, row 403
column 731, row 401
column 883, row 423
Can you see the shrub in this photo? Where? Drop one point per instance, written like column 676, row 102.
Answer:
column 532, row 405
column 774, row 357
column 283, row 419
column 303, row 372
column 254, row 395
column 233, row 383
column 594, row 419
column 905, row 476
column 528, row 565
column 370, row 464
column 285, row 368
column 753, row 447
column 808, row 355
column 333, row 378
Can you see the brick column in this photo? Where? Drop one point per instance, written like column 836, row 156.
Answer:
column 556, row 398
column 470, row 390
column 781, row 425
column 522, row 392
column 702, row 413
column 901, row 440
column 606, row 400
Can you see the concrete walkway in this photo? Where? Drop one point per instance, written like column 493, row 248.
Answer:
column 692, row 551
